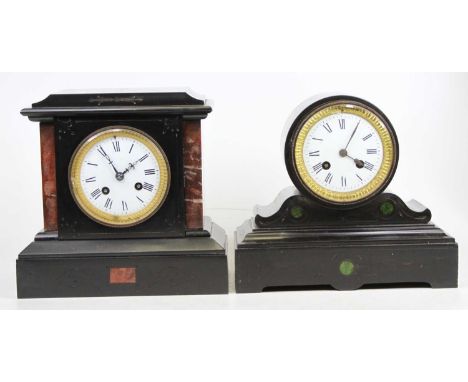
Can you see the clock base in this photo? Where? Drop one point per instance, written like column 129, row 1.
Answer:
column 124, row 267
column 302, row 245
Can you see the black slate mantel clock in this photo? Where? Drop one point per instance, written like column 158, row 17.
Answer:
column 337, row 228
column 122, row 196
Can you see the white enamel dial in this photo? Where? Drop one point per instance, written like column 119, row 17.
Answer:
column 342, row 152
column 119, row 176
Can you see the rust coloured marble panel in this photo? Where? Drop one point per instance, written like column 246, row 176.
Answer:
column 122, row 275
column 49, row 184
column 193, row 175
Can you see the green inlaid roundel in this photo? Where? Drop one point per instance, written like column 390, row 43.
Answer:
column 346, row 267
column 387, row 208
column 297, row 212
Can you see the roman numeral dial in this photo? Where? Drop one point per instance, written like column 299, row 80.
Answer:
column 342, row 152
column 119, row 176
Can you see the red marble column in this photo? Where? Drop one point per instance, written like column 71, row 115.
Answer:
column 193, row 175
column 49, row 185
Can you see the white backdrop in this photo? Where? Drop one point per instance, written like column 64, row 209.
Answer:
column 243, row 166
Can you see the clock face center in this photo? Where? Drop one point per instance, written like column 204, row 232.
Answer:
column 119, row 176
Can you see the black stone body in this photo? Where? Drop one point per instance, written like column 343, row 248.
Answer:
column 166, row 257
column 80, row 268
column 160, row 115
column 282, row 250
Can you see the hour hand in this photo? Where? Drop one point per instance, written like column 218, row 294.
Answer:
column 359, row 163
column 130, row 166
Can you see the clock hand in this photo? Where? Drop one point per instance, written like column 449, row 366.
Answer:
column 359, row 163
column 130, row 165
column 105, row 155
column 112, row 164
column 352, row 135
column 118, row 175
column 344, row 152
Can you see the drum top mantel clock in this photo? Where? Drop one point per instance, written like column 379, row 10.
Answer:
column 122, row 197
column 341, row 151
column 337, row 228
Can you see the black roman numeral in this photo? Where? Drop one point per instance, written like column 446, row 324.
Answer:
column 116, row 145
column 328, row 178
column 124, row 206
column 317, row 139
column 108, row 203
column 343, row 181
column 96, row 193
column 327, row 127
column 342, row 124
column 371, row 151
column 91, row 164
column 143, row 158
column 367, row 137
column 140, row 199
column 148, row 187
column 90, row 180
column 317, row 168
column 368, row 166
column 314, row 153
column 131, row 148
column 151, row 171
column 359, row 177
column 102, row 152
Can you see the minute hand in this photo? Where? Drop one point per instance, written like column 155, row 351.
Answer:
column 104, row 154
column 112, row 164
column 352, row 135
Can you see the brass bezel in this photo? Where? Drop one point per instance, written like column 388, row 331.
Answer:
column 388, row 146
column 98, row 215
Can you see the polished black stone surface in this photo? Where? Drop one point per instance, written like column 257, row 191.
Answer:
column 300, row 243
column 81, row 268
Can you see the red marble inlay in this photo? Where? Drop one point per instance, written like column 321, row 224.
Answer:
column 193, row 175
column 122, row 275
column 49, row 185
